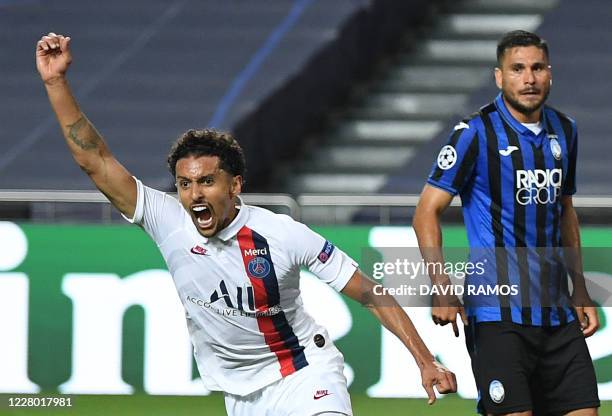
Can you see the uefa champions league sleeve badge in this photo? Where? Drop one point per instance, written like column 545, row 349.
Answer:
column 447, row 157
column 496, row 391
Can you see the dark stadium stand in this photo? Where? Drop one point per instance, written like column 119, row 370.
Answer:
column 579, row 34
column 146, row 71
column 430, row 76
column 283, row 73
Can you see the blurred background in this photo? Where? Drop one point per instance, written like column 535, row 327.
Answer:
column 341, row 107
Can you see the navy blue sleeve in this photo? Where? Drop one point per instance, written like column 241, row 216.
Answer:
column 456, row 160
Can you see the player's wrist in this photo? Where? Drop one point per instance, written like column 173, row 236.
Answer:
column 426, row 363
column 55, row 81
column 580, row 291
column 441, row 280
column 424, row 358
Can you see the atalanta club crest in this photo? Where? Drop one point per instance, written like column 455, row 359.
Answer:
column 496, row 391
column 555, row 149
column 259, row 267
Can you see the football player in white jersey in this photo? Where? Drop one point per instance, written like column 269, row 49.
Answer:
column 236, row 268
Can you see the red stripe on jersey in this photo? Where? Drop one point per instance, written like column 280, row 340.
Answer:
column 265, row 323
column 246, row 243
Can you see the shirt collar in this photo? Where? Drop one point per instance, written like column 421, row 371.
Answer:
column 514, row 123
column 239, row 221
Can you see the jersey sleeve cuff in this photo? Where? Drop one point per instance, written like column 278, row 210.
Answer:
column 139, row 210
column 446, row 188
column 347, row 271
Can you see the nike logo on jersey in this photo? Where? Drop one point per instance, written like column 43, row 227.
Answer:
column 320, row 394
column 506, row 152
column 460, row 126
column 198, row 249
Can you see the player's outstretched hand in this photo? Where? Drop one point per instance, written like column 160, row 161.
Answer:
column 435, row 374
column 53, row 57
column 445, row 309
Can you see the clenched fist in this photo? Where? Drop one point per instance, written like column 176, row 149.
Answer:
column 53, row 57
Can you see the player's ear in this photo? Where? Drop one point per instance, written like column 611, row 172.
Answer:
column 236, row 185
column 498, row 78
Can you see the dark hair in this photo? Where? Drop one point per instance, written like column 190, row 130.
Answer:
column 207, row 142
column 519, row 38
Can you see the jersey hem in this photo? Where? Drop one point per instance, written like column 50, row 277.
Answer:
column 477, row 320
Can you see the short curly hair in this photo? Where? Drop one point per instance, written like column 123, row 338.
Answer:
column 207, row 142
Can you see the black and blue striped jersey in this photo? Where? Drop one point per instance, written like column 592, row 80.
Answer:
column 511, row 181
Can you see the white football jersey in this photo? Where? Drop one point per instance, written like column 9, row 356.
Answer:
column 240, row 290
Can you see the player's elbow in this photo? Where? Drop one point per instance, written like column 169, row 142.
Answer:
column 90, row 164
column 85, row 166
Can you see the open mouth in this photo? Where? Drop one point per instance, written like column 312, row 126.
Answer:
column 203, row 215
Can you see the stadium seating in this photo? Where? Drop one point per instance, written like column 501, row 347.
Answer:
column 275, row 72
column 145, row 71
column 393, row 117
column 579, row 35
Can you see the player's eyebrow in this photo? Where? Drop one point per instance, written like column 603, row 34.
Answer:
column 199, row 178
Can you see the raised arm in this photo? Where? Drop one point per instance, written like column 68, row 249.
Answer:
column 392, row 316
column 53, row 57
column 426, row 224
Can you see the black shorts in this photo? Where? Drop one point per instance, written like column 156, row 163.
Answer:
column 518, row 368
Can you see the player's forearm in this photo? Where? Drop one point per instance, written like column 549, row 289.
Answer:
column 570, row 239
column 393, row 317
column 426, row 224
column 82, row 138
column 386, row 309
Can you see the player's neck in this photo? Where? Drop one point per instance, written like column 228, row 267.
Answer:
column 231, row 217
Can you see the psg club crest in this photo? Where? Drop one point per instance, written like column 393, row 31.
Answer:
column 259, row 267
column 555, row 149
column 447, row 157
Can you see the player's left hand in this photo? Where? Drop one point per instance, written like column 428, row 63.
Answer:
column 589, row 321
column 586, row 312
column 435, row 374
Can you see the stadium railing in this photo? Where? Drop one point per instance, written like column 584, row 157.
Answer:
column 44, row 206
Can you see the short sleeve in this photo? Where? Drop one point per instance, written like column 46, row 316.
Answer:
column 456, row 160
column 320, row 256
column 156, row 212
